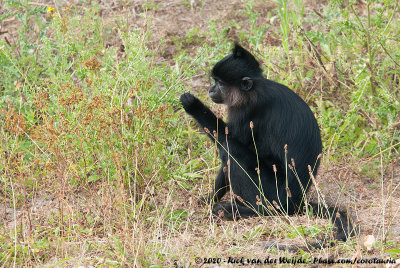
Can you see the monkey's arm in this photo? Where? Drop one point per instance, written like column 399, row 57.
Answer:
column 204, row 116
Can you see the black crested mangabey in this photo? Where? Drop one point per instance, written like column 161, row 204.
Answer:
column 266, row 147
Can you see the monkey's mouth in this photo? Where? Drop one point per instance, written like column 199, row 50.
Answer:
column 217, row 100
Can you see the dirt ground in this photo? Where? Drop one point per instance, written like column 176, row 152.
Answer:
column 175, row 18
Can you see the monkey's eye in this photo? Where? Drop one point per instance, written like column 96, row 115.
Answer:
column 218, row 81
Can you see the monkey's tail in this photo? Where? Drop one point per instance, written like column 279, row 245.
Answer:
column 341, row 219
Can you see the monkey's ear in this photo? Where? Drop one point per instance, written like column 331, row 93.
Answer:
column 238, row 51
column 246, row 84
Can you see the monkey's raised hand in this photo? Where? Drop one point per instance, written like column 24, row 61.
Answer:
column 202, row 114
column 190, row 103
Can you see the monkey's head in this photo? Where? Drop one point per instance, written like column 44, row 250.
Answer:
column 234, row 78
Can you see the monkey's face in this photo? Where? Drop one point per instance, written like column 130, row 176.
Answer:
column 232, row 95
column 217, row 91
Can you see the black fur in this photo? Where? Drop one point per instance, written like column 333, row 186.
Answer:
column 280, row 119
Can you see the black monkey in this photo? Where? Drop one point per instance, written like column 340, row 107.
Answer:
column 266, row 146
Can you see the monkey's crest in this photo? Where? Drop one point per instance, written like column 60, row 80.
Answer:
column 238, row 51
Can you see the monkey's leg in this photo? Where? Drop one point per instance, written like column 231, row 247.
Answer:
column 233, row 211
column 252, row 181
